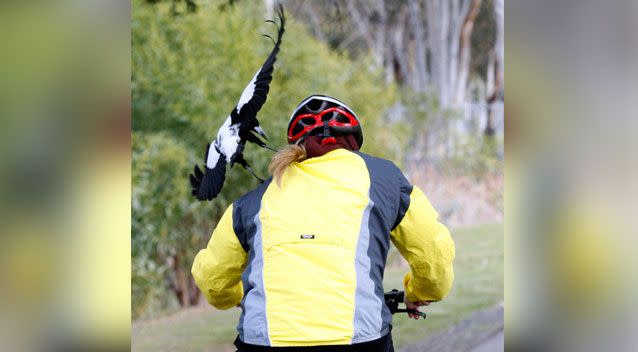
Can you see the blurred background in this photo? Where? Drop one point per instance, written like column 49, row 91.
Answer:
column 425, row 76
column 65, row 176
column 67, row 76
column 572, row 184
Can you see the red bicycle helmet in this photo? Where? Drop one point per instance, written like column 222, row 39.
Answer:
column 323, row 115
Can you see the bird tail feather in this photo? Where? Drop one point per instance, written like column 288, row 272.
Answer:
column 206, row 185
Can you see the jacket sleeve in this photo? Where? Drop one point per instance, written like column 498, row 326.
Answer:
column 217, row 268
column 427, row 246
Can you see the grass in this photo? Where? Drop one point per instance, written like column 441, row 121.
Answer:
column 193, row 329
column 479, row 283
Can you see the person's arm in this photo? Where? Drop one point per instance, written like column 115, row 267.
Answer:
column 217, row 268
column 427, row 246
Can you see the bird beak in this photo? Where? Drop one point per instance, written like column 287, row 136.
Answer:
column 261, row 132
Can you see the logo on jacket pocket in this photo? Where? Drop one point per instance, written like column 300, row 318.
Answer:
column 307, row 237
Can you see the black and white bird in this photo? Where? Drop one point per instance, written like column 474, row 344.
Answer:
column 241, row 126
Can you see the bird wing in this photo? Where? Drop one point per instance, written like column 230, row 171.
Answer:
column 254, row 95
column 206, row 185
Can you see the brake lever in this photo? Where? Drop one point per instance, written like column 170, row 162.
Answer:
column 412, row 311
column 392, row 300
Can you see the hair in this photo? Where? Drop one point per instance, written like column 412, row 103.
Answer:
column 282, row 159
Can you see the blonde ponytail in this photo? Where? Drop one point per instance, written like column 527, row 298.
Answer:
column 283, row 158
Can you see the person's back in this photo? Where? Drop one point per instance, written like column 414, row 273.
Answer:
column 305, row 253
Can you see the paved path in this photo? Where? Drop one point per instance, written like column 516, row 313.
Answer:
column 482, row 331
column 494, row 343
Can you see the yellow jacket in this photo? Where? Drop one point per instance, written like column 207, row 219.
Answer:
column 306, row 260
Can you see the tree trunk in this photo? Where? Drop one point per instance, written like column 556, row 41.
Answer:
column 499, row 47
column 194, row 291
column 438, row 24
column 182, row 291
column 458, row 13
column 361, row 21
column 420, row 51
column 399, row 51
column 314, row 21
column 380, row 40
column 497, row 71
column 494, row 88
column 465, row 48
column 269, row 4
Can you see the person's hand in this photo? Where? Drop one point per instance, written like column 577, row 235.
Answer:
column 415, row 306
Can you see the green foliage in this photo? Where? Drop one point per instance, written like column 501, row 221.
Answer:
column 478, row 283
column 149, row 289
column 164, row 224
column 188, row 72
column 160, row 194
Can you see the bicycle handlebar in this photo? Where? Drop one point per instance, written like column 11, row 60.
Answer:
column 392, row 300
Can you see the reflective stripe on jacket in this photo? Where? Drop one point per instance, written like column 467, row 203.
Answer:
column 306, row 259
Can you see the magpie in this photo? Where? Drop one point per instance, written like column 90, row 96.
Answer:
column 241, row 126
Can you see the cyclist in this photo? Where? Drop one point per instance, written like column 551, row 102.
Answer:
column 303, row 254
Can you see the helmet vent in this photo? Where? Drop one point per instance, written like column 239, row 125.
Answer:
column 342, row 119
column 328, row 117
column 308, row 121
column 298, row 128
column 318, row 111
column 314, row 106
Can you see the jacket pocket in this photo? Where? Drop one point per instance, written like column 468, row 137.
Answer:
column 310, row 290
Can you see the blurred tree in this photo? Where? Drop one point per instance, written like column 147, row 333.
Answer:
column 420, row 44
column 496, row 68
column 166, row 229
column 446, row 56
column 191, row 5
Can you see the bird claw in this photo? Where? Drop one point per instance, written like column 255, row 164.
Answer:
column 249, row 169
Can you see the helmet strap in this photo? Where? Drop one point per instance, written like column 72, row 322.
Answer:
column 326, row 137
